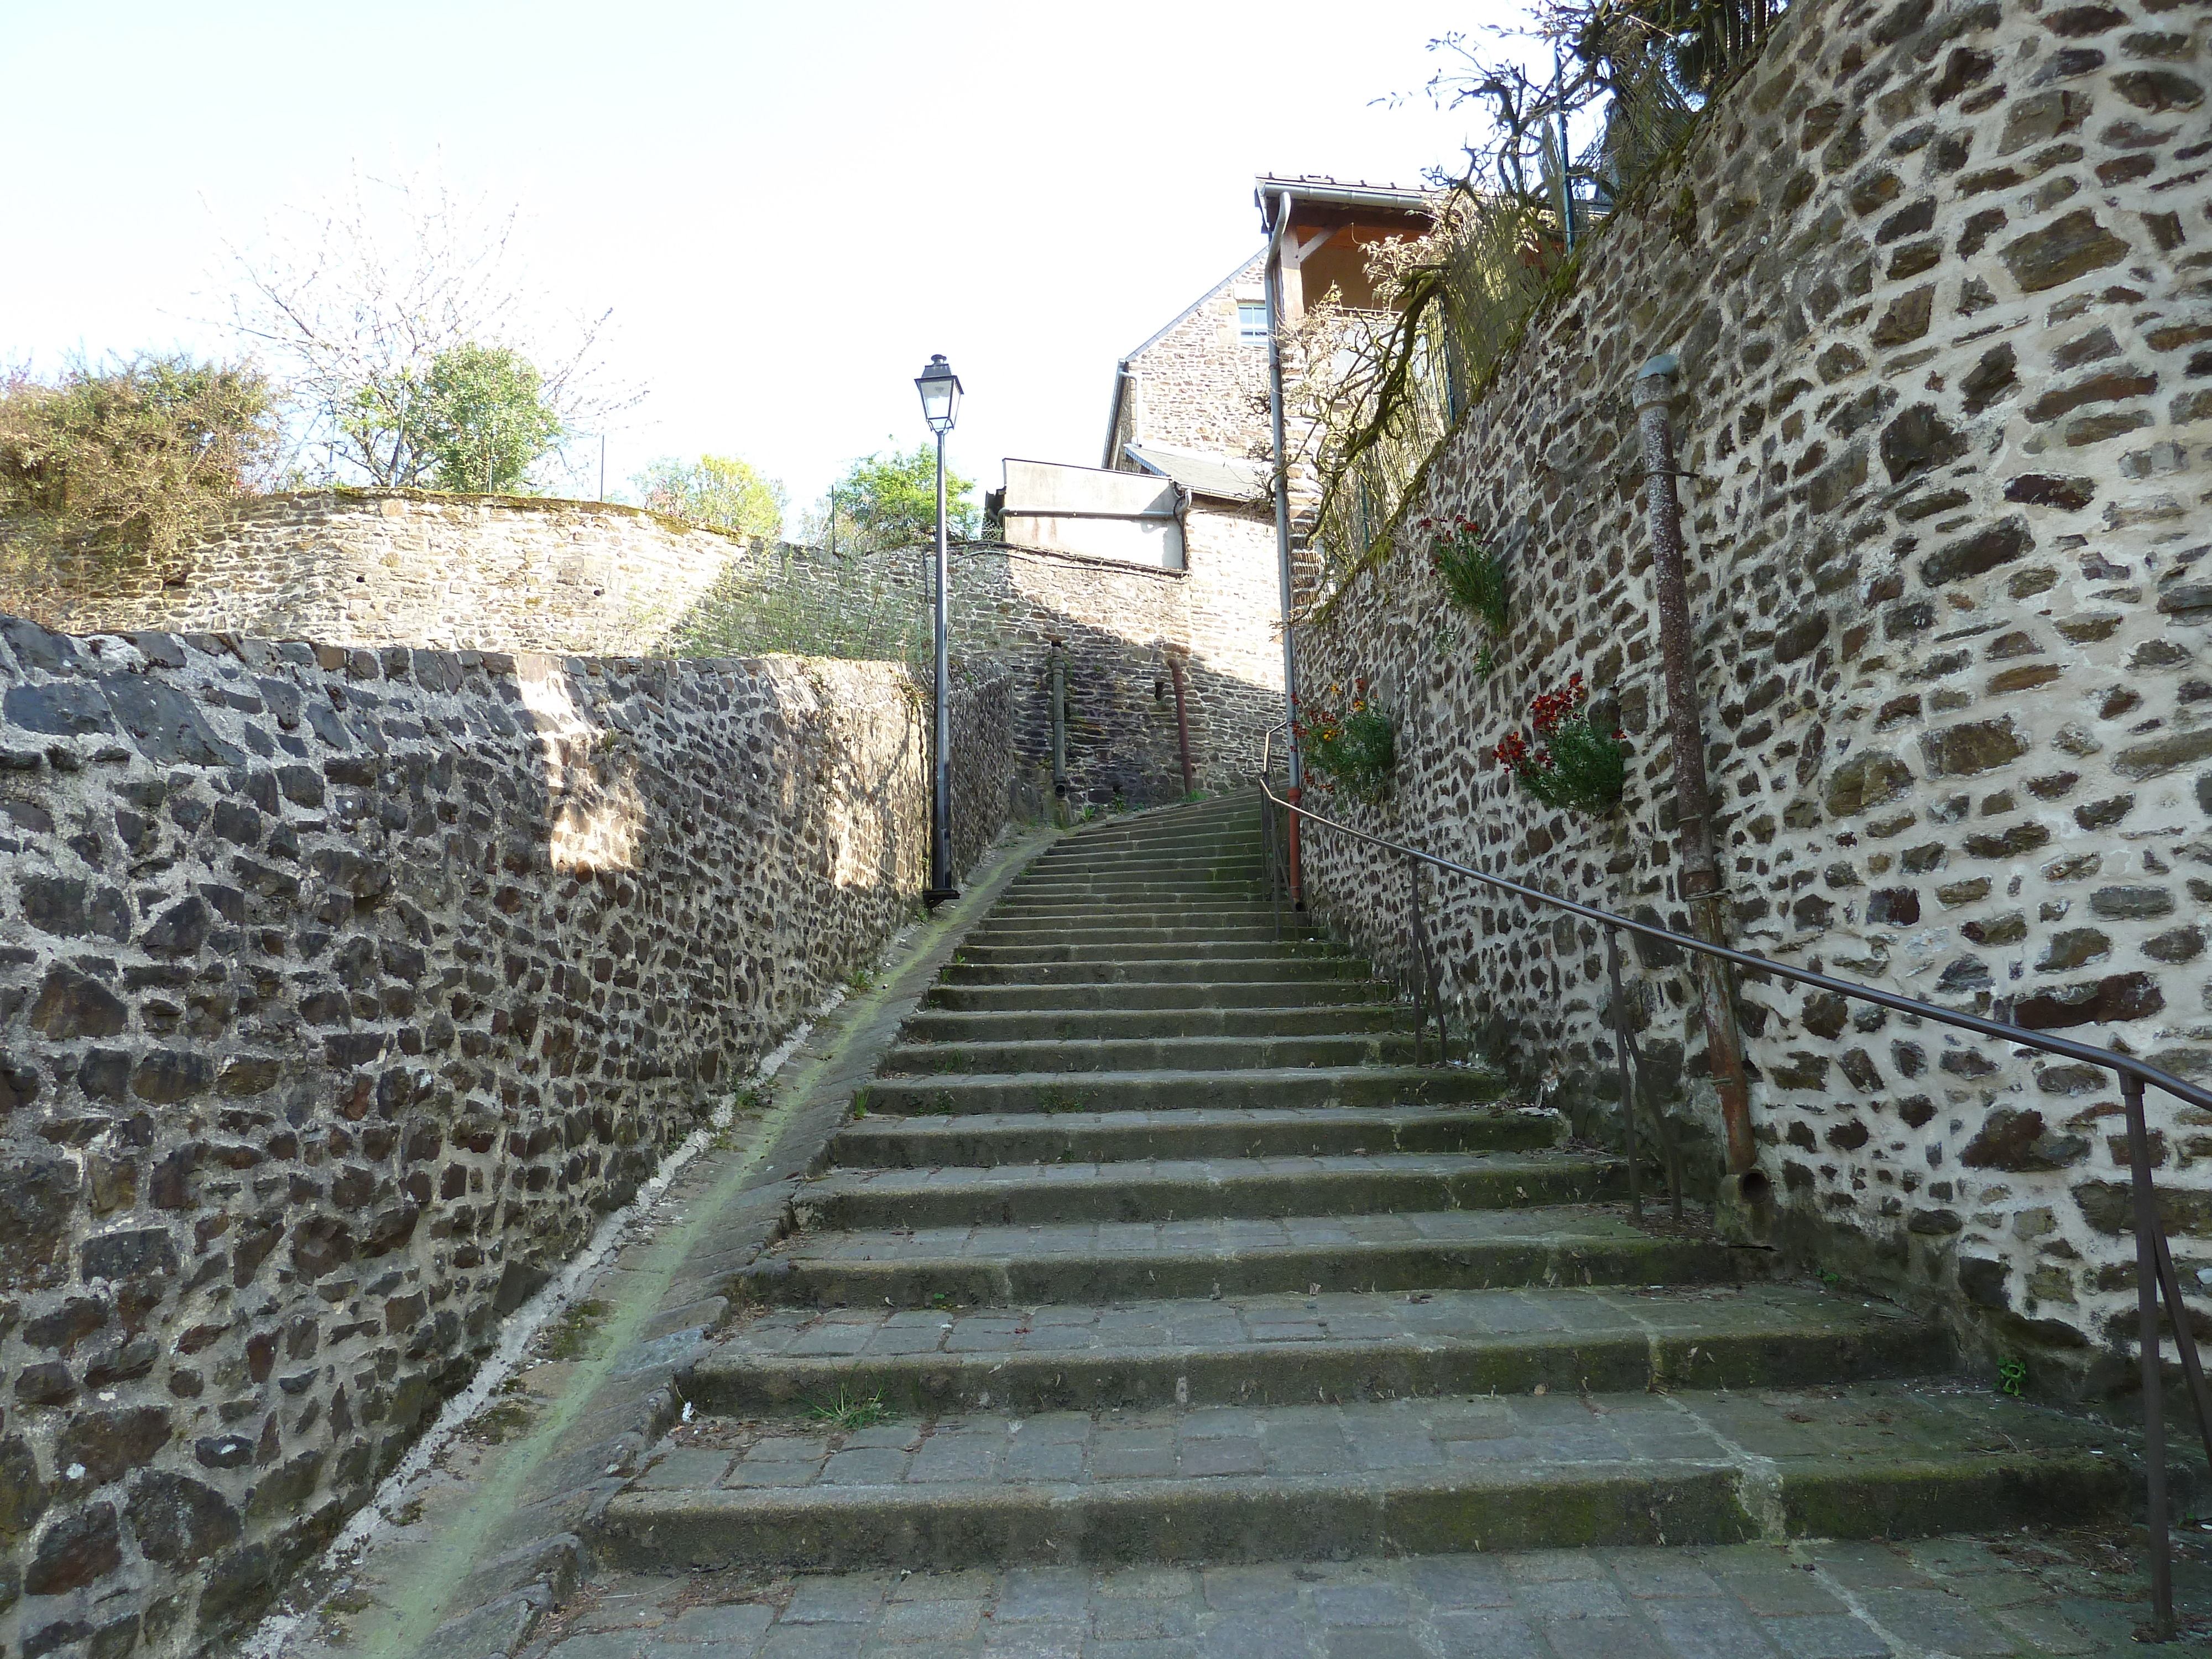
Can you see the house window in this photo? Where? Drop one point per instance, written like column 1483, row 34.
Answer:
column 1252, row 322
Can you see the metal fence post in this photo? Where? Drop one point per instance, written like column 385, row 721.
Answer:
column 2154, row 1386
column 1620, row 1054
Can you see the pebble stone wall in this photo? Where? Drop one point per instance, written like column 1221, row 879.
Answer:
column 371, row 569
column 1938, row 273
column 1118, row 626
column 341, row 991
column 375, row 568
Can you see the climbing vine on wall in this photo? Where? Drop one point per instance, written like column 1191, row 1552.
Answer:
column 1507, row 236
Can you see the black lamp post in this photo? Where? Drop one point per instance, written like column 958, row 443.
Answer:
column 940, row 403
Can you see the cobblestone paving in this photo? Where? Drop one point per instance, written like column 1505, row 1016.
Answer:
column 2069, row 1595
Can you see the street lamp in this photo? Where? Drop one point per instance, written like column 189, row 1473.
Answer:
column 940, row 401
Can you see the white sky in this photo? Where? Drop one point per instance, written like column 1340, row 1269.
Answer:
column 789, row 206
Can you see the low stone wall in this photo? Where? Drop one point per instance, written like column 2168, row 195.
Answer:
column 341, row 992
column 1120, row 629
column 1117, row 626
column 378, row 568
column 375, row 569
column 1935, row 276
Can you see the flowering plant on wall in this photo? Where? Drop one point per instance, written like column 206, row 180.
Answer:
column 1474, row 577
column 1347, row 745
column 1573, row 762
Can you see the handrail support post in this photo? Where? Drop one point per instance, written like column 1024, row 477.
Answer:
column 2153, row 1384
column 1621, row 1058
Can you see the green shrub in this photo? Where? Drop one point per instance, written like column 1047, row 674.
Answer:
column 1574, row 763
column 1474, row 576
column 1348, row 746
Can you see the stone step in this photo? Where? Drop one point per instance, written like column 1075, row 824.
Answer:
column 1168, row 1189
column 1140, row 996
column 1128, row 1262
column 1429, row 1476
column 1138, row 838
column 1178, row 1054
column 1194, row 951
column 1163, row 849
column 1131, row 931
column 1180, row 913
column 1124, row 1091
column 1195, row 852
column 1184, row 850
column 982, row 1141
column 1194, row 844
column 1064, row 1024
column 1296, row 1349
column 1170, row 864
column 1149, row 894
column 1153, row 971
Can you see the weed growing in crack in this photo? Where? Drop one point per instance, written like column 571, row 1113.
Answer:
column 848, row 1412
column 573, row 1336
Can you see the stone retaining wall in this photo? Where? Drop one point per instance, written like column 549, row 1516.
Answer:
column 341, row 992
column 1937, row 276
column 377, row 568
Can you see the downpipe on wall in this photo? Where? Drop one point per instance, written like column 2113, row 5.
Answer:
column 1059, row 810
column 1183, row 721
column 1743, row 1207
column 1271, row 285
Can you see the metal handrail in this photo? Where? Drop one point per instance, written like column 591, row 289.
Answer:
column 2155, row 1274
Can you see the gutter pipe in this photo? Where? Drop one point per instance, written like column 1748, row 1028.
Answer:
column 1272, row 284
column 1700, row 881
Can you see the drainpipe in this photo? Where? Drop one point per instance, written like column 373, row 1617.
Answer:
column 1746, row 1192
column 1183, row 721
column 1059, row 735
column 1273, row 284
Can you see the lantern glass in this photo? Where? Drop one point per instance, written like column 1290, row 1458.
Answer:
column 940, row 394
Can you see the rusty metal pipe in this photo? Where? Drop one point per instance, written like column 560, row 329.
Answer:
column 1279, row 221
column 1183, row 723
column 1700, row 881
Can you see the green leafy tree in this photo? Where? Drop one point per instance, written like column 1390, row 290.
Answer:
column 129, row 457
column 718, row 490
column 890, row 500
column 482, row 419
column 360, row 300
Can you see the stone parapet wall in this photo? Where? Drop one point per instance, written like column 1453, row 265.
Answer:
column 1936, row 274
column 1119, row 626
column 342, row 991
column 375, row 567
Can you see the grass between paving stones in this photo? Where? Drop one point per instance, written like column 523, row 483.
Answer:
column 849, row 1412
column 571, row 1336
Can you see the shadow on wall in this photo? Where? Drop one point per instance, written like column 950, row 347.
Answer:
column 1116, row 632
column 340, row 992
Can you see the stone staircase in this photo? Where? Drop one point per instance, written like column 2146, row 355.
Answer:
column 1151, row 1243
